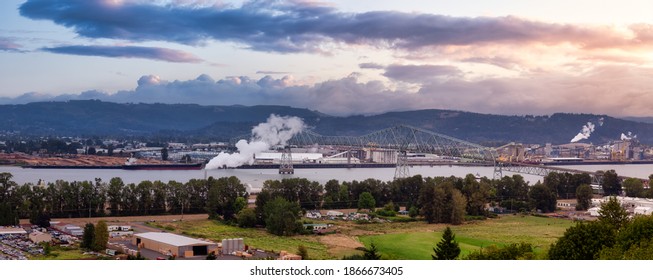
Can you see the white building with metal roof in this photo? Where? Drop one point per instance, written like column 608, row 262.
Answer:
column 173, row 244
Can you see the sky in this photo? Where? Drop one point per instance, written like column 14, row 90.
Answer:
column 344, row 57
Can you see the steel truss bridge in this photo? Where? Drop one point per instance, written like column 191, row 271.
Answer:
column 406, row 139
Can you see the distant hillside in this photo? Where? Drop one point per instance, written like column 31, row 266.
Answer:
column 488, row 129
column 91, row 117
column 184, row 121
column 640, row 119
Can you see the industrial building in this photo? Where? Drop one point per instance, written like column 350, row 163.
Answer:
column 340, row 158
column 70, row 229
column 633, row 205
column 38, row 237
column 12, row 230
column 173, row 244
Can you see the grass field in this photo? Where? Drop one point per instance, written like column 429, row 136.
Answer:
column 61, row 253
column 417, row 245
column 255, row 238
column 405, row 241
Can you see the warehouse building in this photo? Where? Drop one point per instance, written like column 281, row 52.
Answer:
column 173, row 244
column 12, row 230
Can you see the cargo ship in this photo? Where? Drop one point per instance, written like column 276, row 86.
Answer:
column 131, row 164
column 174, row 166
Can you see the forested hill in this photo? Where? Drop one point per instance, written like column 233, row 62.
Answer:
column 218, row 123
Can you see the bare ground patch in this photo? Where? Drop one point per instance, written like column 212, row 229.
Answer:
column 340, row 245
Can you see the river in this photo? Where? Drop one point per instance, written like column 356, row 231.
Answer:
column 256, row 177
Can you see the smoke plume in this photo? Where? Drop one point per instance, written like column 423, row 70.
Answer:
column 584, row 133
column 276, row 131
column 628, row 136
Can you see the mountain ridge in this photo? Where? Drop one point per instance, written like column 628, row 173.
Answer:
column 179, row 121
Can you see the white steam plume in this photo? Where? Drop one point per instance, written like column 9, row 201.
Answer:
column 601, row 121
column 584, row 133
column 629, row 136
column 275, row 131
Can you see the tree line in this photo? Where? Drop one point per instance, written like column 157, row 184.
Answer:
column 436, row 199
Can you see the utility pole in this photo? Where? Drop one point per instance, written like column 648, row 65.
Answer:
column 285, row 167
column 401, row 171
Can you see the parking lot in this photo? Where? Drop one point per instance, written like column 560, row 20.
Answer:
column 17, row 247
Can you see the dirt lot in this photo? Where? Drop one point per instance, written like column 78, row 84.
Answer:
column 340, row 244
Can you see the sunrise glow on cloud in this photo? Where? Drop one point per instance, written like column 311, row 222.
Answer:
column 335, row 57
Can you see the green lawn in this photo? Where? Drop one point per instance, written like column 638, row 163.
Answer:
column 405, row 241
column 538, row 231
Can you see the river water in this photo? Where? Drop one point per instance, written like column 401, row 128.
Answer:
column 256, row 177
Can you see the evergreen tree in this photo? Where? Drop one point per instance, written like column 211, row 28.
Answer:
column 88, row 239
column 372, row 253
column 447, row 248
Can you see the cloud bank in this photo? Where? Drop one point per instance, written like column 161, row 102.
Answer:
column 305, row 26
column 616, row 90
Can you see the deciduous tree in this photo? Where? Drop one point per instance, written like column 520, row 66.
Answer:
column 222, row 196
column 282, row 217
column 611, row 184
column 634, row 187
column 613, row 214
column 542, row 198
column 583, row 197
column 513, row 251
column 366, row 201
column 583, row 241
column 246, row 218
column 101, row 236
column 88, row 238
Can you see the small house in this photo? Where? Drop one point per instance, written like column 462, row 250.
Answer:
column 313, row 215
